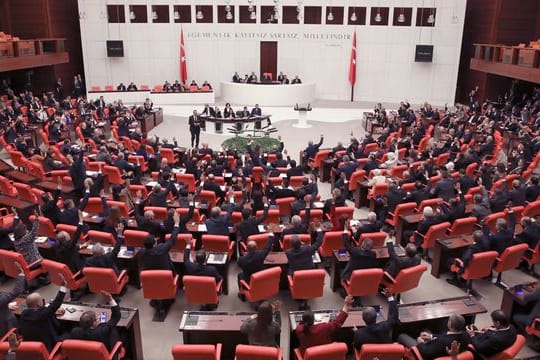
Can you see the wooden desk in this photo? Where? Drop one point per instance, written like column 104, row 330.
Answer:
column 21, row 177
column 444, row 249
column 344, row 334
column 24, row 208
column 406, row 222
column 4, row 167
column 326, row 169
column 177, row 257
column 512, row 301
column 279, row 258
column 206, row 327
column 147, row 122
column 128, row 325
column 338, row 262
column 158, row 116
column 360, row 194
column 434, row 314
column 49, row 185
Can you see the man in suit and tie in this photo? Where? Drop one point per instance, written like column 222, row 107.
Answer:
column 311, row 149
column 236, row 78
column 362, row 257
column 38, row 322
column 253, row 261
column 256, row 111
column 107, row 260
column 498, row 337
column 195, row 128
column 155, row 256
column 300, row 256
column 281, row 77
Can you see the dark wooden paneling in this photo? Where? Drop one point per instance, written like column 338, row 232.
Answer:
column 27, row 18
column 29, row 62
column 162, row 13
column 267, row 15
column 116, row 14
column 290, row 15
column 517, row 22
column 5, row 25
column 268, row 62
column 312, row 14
column 337, row 11
column 512, row 71
column 140, row 12
column 423, row 14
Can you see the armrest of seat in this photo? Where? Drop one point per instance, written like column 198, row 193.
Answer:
column 118, row 348
column 290, row 278
column 245, row 285
column 389, row 277
column 218, row 351
column 391, row 214
column 529, row 253
column 122, row 275
column 5, row 337
column 231, row 245
column 55, row 353
column 417, row 233
column 175, row 281
column 36, row 264
column 298, row 354
column 414, row 353
column 459, row 262
column 218, row 285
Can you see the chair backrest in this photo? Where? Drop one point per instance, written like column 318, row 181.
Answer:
column 101, row 237
column 334, row 351
column 332, row 240
column 54, row 269
column 208, row 196
column 381, row 352
column 346, row 212
column 379, row 189
column 196, row 214
column 435, row 232
column 27, row 350
column 264, row 284
column 94, row 206
column 187, row 179
column 532, row 209
column 218, row 243
column 480, row 265
column 160, row 213
column 404, row 209
column 272, row 218
column 25, row 192
column 512, row 351
column 286, row 242
column 307, row 284
column 356, row 176
column 463, row 226
column 365, row 282
column 101, row 279
column 296, row 181
column 257, row 172
column 408, row 278
column 433, row 203
column 8, row 259
column 84, row 350
column 200, row 289
column 377, row 237
column 159, row 284
column 253, row 352
column 260, row 239
column 135, row 238
column 511, row 257
column 284, row 205
column 319, row 157
column 124, row 211
column 465, row 355
column 113, row 174
column 46, row 227
column 196, row 352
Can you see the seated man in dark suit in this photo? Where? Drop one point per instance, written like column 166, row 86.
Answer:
column 253, row 260
column 250, row 224
column 38, row 322
column 495, row 339
column 210, row 185
column 432, row 346
column 107, row 260
column 256, row 111
column 458, row 266
column 525, row 319
column 504, row 234
column 373, row 332
column 300, row 256
column 531, row 232
column 146, row 221
column 362, row 257
column 372, row 225
column 533, row 190
column 91, row 329
column 398, row 263
column 298, row 225
column 518, row 193
column 156, row 256
column 444, row 188
column 7, row 319
column 200, row 268
column 218, row 224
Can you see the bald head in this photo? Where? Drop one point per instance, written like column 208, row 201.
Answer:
column 98, row 250
column 34, row 300
column 216, row 211
column 251, row 246
column 296, row 220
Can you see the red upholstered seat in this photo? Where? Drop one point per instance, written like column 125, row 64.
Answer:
column 252, row 352
column 334, row 351
column 105, row 279
column 196, row 352
column 91, row 350
column 201, row 289
column 262, row 285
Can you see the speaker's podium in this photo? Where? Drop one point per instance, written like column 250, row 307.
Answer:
column 302, row 115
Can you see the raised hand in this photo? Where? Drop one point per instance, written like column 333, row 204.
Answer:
column 176, row 218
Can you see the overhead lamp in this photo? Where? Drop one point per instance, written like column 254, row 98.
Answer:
column 154, row 15
column 177, row 15
column 330, row 16
column 229, row 15
column 353, row 16
column 378, row 17
column 431, row 19
column 199, row 15
column 401, row 17
column 132, row 15
column 253, row 15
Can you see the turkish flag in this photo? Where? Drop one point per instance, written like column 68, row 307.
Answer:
column 352, row 65
column 183, row 67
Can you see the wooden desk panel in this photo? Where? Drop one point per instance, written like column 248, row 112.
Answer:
column 21, row 177
column 4, row 167
column 446, row 248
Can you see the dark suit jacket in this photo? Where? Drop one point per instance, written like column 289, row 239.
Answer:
column 157, row 258
column 252, row 262
column 378, row 333
column 437, row 347
column 7, row 320
column 50, row 210
column 359, row 258
column 107, row 260
column 219, row 225
column 39, row 324
column 518, row 196
column 250, row 226
column 200, row 269
column 494, row 341
column 302, row 258
column 68, row 252
column 502, row 239
column 154, row 227
column 300, row 229
column 445, row 189
column 104, row 333
column 397, row 263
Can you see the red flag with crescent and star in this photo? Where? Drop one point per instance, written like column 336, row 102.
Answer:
column 183, row 67
column 352, row 65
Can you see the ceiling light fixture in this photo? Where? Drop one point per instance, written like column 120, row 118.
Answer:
column 378, row 17
column 154, row 15
column 353, row 16
column 431, row 18
column 199, row 15
column 229, row 15
column 253, row 15
column 177, row 15
column 401, row 17
column 330, row 16
column 132, row 15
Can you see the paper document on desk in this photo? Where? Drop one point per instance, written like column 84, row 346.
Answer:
column 316, row 258
column 201, row 228
column 354, row 222
column 262, row 228
column 217, row 259
column 151, row 183
column 318, row 204
column 41, row 239
column 91, row 173
column 322, row 317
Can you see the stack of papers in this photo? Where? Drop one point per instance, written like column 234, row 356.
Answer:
column 201, row 228
column 41, row 240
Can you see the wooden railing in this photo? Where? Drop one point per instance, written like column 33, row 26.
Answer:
column 19, row 54
column 519, row 62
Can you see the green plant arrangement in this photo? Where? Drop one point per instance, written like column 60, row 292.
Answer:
column 239, row 143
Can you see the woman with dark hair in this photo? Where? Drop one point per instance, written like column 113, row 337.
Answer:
column 310, row 334
column 263, row 329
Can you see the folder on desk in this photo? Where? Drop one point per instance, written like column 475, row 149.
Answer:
column 41, row 239
column 201, row 228
column 262, row 228
column 316, row 258
column 214, row 258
